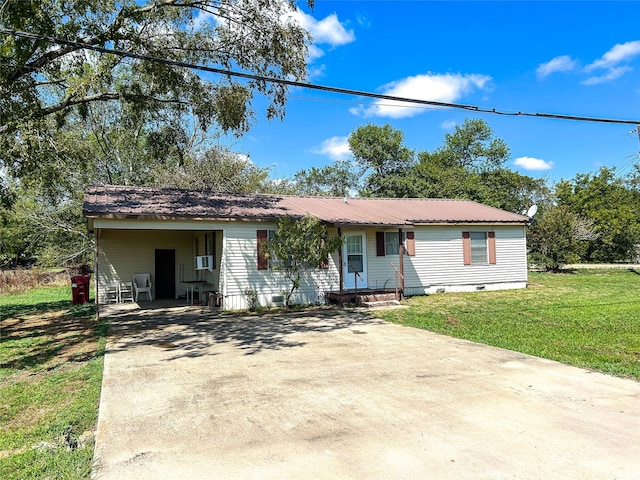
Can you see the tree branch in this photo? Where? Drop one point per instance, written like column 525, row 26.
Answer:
column 104, row 97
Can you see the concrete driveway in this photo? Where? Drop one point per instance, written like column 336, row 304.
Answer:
column 344, row 396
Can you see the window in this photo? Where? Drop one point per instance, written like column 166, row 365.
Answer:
column 388, row 243
column 270, row 235
column 479, row 248
column 355, row 253
column 391, row 243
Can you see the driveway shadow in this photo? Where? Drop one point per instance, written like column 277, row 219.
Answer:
column 192, row 334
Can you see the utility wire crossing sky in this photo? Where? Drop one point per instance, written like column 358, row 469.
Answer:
column 423, row 67
column 311, row 86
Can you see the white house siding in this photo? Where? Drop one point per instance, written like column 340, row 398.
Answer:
column 439, row 266
column 123, row 253
column 128, row 246
column 241, row 274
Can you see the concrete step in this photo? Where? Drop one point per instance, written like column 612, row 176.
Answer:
column 377, row 297
column 380, row 303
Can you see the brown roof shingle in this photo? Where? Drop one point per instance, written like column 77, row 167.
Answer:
column 166, row 203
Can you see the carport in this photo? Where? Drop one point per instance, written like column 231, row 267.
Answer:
column 339, row 394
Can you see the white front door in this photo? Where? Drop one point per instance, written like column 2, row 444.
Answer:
column 354, row 260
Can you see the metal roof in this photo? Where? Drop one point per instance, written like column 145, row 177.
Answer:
column 167, row 203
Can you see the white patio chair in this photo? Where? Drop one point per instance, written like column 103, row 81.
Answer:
column 142, row 284
column 126, row 292
column 111, row 293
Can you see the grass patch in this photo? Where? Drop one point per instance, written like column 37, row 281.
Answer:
column 51, row 360
column 589, row 319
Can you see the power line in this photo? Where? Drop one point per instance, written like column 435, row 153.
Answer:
column 311, row 86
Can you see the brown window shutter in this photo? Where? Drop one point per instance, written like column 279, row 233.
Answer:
column 380, row 244
column 410, row 244
column 466, row 247
column 492, row 248
column 263, row 263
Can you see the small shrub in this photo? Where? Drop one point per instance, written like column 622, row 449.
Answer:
column 252, row 299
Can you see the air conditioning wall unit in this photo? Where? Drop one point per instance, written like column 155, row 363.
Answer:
column 204, row 262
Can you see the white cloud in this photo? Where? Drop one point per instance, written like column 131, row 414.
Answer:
column 316, row 71
column 608, row 64
column 315, row 52
column 448, row 124
column 446, row 88
column 336, row 148
column 563, row 63
column 529, row 163
column 364, row 21
column 611, row 74
column 619, row 53
column 328, row 31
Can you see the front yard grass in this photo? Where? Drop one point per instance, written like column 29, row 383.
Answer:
column 589, row 319
column 51, row 358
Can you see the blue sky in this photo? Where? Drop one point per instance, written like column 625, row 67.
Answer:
column 573, row 58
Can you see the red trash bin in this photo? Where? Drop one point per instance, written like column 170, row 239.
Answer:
column 80, row 289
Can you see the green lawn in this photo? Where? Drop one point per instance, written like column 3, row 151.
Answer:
column 51, row 357
column 51, row 353
column 588, row 318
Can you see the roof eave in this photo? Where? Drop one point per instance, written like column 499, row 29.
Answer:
column 472, row 222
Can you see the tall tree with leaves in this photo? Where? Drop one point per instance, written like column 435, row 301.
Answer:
column 384, row 159
column 608, row 201
column 218, row 170
column 473, row 146
column 43, row 84
column 339, row 179
column 70, row 117
column 556, row 237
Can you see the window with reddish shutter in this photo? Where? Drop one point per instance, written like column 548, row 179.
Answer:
column 479, row 248
column 388, row 243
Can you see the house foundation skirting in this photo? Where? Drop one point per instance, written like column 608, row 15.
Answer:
column 361, row 296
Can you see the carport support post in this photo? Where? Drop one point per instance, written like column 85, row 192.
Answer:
column 401, row 261
column 340, row 272
column 95, row 272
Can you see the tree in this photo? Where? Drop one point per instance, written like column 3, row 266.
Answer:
column 71, row 117
column 45, row 220
column 34, row 229
column 217, row 170
column 509, row 190
column 42, row 86
column 473, row 146
column 338, row 179
column 381, row 153
column 612, row 206
column 299, row 245
column 556, row 235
